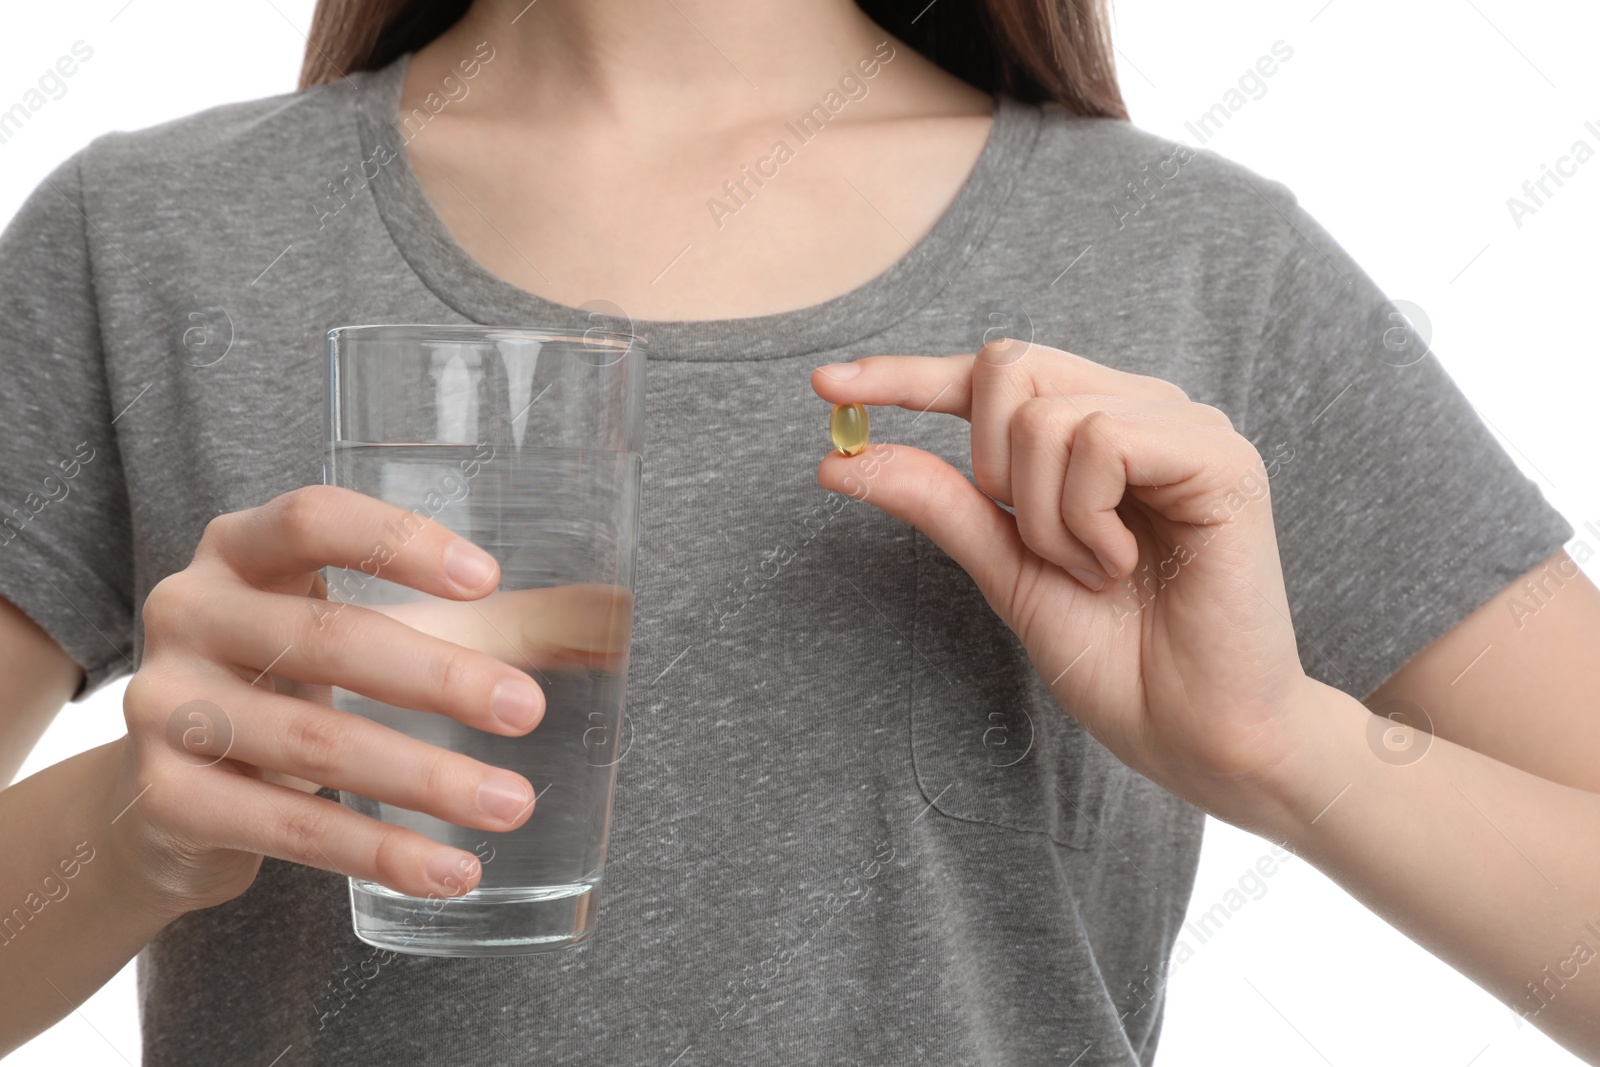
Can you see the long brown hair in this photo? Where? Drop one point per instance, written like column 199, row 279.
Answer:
column 1035, row 50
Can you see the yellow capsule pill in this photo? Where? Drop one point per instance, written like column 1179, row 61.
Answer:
column 848, row 428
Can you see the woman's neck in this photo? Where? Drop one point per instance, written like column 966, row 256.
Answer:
column 602, row 138
column 608, row 62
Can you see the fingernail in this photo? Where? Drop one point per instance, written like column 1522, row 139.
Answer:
column 840, row 371
column 468, row 565
column 1105, row 565
column 504, row 796
column 1088, row 578
column 450, row 870
column 517, row 703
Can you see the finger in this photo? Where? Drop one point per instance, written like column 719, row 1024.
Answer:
column 1002, row 380
column 366, row 652
column 944, row 383
column 552, row 628
column 917, row 383
column 339, row 750
column 242, row 813
column 1041, row 435
column 1040, row 442
column 1175, row 467
column 325, row 526
column 1006, row 374
column 985, row 389
column 923, row 490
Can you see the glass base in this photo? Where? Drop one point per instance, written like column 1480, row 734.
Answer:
column 485, row 922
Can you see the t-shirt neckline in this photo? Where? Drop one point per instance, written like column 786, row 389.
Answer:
column 472, row 290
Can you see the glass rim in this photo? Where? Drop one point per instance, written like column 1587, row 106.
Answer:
column 591, row 337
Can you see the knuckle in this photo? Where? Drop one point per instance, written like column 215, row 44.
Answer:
column 148, row 701
column 440, row 776
column 299, row 510
column 330, row 638
column 390, row 849
column 167, row 604
column 142, row 695
column 177, row 604
column 220, row 530
column 453, row 674
column 1164, row 389
column 995, row 351
column 303, row 833
column 1252, row 472
column 1005, row 352
column 316, row 741
column 1233, row 448
column 1215, row 416
column 1100, row 428
column 1037, row 417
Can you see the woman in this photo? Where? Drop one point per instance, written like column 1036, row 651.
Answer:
column 856, row 824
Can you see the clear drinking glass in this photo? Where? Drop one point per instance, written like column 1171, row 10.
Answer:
column 526, row 442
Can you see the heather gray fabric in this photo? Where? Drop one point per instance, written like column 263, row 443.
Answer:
column 828, row 846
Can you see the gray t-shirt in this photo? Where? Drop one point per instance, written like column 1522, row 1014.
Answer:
column 851, row 825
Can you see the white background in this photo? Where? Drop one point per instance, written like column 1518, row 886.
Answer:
column 1403, row 125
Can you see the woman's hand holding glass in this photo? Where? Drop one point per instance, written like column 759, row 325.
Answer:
column 230, row 732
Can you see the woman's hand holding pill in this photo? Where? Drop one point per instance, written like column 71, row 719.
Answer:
column 1139, row 565
column 229, row 729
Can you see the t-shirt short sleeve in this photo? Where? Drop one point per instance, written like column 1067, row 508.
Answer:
column 1398, row 512
column 65, row 544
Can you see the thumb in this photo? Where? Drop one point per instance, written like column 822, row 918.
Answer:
column 923, row 490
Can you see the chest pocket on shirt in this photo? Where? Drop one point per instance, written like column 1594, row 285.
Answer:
column 988, row 741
